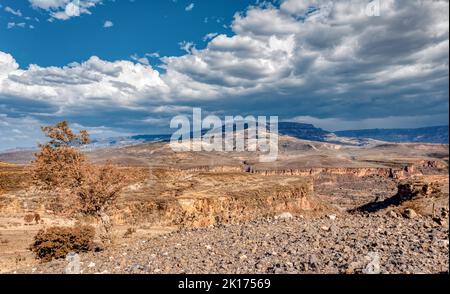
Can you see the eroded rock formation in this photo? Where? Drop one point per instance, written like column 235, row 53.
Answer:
column 217, row 198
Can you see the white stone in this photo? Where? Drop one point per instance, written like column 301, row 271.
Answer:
column 284, row 216
column 325, row 228
column 73, row 266
column 373, row 267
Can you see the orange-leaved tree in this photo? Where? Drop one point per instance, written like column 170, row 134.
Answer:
column 61, row 166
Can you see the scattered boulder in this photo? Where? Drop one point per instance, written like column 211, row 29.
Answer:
column 313, row 261
column 73, row 266
column 325, row 228
column 392, row 213
column 440, row 221
column 284, row 216
column 355, row 244
column 352, row 267
column 373, row 267
column 410, row 213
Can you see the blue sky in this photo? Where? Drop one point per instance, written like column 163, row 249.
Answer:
column 139, row 27
column 119, row 67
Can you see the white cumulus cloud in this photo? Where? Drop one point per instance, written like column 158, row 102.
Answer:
column 306, row 59
column 65, row 9
column 12, row 11
column 189, row 7
column 108, row 24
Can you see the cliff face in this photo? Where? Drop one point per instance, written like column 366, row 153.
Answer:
column 241, row 206
column 398, row 171
column 410, row 169
column 312, row 172
column 217, row 198
column 426, row 195
column 206, row 195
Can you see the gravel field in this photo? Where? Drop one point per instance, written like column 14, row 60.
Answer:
column 347, row 243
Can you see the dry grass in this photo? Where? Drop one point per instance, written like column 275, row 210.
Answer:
column 13, row 178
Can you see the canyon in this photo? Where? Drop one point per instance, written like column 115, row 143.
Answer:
column 170, row 193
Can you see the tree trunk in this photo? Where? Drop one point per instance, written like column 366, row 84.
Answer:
column 106, row 226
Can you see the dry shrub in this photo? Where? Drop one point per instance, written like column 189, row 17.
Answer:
column 129, row 232
column 99, row 188
column 13, row 178
column 3, row 241
column 28, row 218
column 57, row 242
column 37, row 218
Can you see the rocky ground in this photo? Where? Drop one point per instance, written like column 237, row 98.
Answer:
column 347, row 243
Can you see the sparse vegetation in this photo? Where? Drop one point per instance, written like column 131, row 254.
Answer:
column 99, row 188
column 179, row 191
column 12, row 178
column 37, row 218
column 59, row 164
column 129, row 232
column 28, row 218
column 82, row 187
column 57, row 242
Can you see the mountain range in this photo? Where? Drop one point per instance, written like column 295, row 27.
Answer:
column 437, row 135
